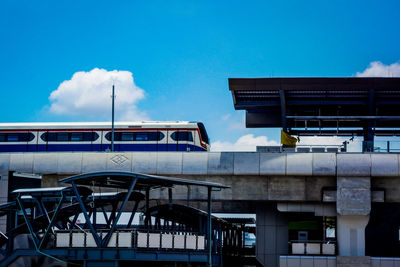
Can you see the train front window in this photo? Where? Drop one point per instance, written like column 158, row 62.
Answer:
column 203, row 133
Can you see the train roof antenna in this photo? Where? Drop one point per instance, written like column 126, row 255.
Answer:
column 112, row 119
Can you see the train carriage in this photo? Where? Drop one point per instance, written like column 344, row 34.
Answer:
column 93, row 136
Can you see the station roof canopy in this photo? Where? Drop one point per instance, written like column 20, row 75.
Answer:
column 300, row 104
column 50, row 191
column 122, row 180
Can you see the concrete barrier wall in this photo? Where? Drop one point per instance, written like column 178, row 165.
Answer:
column 211, row 163
column 385, row 262
column 251, row 175
column 307, row 261
column 317, row 261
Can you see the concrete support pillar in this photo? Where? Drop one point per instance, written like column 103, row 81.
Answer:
column 3, row 197
column 351, row 234
column 271, row 234
column 353, row 206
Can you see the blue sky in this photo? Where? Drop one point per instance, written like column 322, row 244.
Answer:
column 181, row 53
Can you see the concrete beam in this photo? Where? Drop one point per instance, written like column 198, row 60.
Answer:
column 208, row 163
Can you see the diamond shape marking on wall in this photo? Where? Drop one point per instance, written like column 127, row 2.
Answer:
column 119, row 159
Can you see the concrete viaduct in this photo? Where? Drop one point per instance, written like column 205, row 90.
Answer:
column 271, row 185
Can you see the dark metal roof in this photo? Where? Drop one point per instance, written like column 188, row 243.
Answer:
column 240, row 220
column 318, row 102
column 51, row 191
column 116, row 179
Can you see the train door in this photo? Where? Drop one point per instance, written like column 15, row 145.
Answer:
column 96, row 141
column 31, row 145
column 103, row 141
column 91, row 140
column 36, row 141
column 42, row 141
column 118, row 145
column 106, row 141
column 183, row 139
column 171, row 143
column 159, row 134
column 191, row 140
column 27, row 140
column 162, row 144
column 196, row 141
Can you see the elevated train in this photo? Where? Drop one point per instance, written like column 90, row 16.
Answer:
column 96, row 136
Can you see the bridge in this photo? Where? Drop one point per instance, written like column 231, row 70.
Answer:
column 295, row 196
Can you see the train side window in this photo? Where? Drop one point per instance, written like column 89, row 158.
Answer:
column 142, row 137
column 155, row 136
column 127, row 137
column 182, row 136
column 28, row 137
column 160, row 136
column 16, row 137
column 62, row 137
column 135, row 136
column 12, row 138
column 91, row 137
column 76, row 137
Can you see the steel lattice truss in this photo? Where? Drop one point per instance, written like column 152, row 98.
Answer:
column 51, row 220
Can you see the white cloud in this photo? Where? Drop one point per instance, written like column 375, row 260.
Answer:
column 88, row 94
column 378, row 69
column 226, row 117
column 245, row 143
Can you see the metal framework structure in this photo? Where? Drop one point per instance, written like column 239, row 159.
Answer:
column 321, row 106
column 50, row 222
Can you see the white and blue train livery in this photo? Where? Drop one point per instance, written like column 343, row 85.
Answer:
column 96, row 136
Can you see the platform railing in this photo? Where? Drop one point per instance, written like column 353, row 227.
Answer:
column 133, row 239
column 386, row 146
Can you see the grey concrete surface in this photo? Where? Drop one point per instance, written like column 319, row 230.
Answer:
column 307, row 261
column 272, row 164
column 384, row 165
column 221, row 163
column 299, row 163
column 246, row 163
column 272, row 234
column 324, row 164
column 352, row 261
column 351, row 234
column 353, row 164
column 385, row 262
column 353, row 195
column 253, row 176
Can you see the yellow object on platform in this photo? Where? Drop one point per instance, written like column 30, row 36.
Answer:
column 288, row 140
